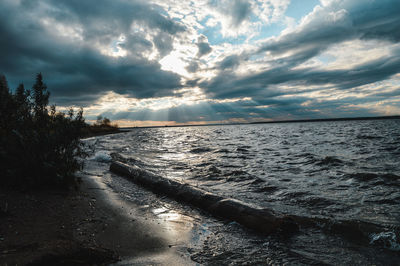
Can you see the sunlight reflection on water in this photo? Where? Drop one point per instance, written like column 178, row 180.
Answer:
column 302, row 168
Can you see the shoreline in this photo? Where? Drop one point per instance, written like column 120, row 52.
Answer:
column 89, row 226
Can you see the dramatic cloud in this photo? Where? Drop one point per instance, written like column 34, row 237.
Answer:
column 204, row 46
column 78, row 46
column 286, row 58
column 207, row 60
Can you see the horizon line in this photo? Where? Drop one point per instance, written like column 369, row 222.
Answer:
column 277, row 121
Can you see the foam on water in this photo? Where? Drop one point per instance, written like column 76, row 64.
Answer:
column 304, row 163
column 328, row 171
column 387, row 239
column 102, row 156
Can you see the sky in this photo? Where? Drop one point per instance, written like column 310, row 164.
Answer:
column 173, row 62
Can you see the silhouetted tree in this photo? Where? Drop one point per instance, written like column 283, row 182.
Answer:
column 23, row 106
column 5, row 115
column 37, row 148
column 103, row 121
column 6, row 103
column 106, row 121
column 40, row 96
column 4, row 90
column 99, row 119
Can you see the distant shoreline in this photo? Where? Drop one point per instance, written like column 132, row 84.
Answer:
column 332, row 119
column 123, row 129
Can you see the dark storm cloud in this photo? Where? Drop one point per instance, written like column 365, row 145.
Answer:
column 192, row 68
column 325, row 26
column 393, row 93
column 67, row 41
column 74, row 68
column 204, row 48
column 227, row 84
column 113, row 15
column 136, row 44
column 332, row 24
column 241, row 10
column 237, row 10
column 229, row 62
column 163, row 42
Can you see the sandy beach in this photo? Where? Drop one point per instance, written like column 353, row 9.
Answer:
column 89, row 226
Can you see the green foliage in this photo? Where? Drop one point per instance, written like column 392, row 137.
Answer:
column 38, row 147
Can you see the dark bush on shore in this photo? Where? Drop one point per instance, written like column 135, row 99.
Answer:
column 39, row 147
column 102, row 126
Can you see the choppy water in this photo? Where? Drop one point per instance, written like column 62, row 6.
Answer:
column 345, row 170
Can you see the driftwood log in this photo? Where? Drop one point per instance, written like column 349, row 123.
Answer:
column 261, row 220
column 258, row 219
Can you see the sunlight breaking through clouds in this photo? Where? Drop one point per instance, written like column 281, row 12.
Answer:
column 134, row 59
column 174, row 63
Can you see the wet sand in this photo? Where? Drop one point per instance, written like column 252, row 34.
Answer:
column 90, row 226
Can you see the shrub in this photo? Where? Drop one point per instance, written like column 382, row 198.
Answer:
column 102, row 126
column 39, row 147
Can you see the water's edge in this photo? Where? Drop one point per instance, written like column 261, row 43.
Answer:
column 261, row 220
column 255, row 218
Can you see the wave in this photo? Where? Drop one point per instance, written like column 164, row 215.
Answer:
column 222, row 151
column 387, row 179
column 266, row 188
column 356, row 231
column 368, row 137
column 370, row 176
column 330, row 160
column 102, row 156
column 385, row 239
column 313, row 201
column 263, row 220
column 200, row 150
column 243, row 149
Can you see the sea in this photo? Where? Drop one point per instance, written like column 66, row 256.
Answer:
column 323, row 173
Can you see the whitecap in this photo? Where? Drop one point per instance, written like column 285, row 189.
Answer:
column 102, row 156
column 388, row 239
